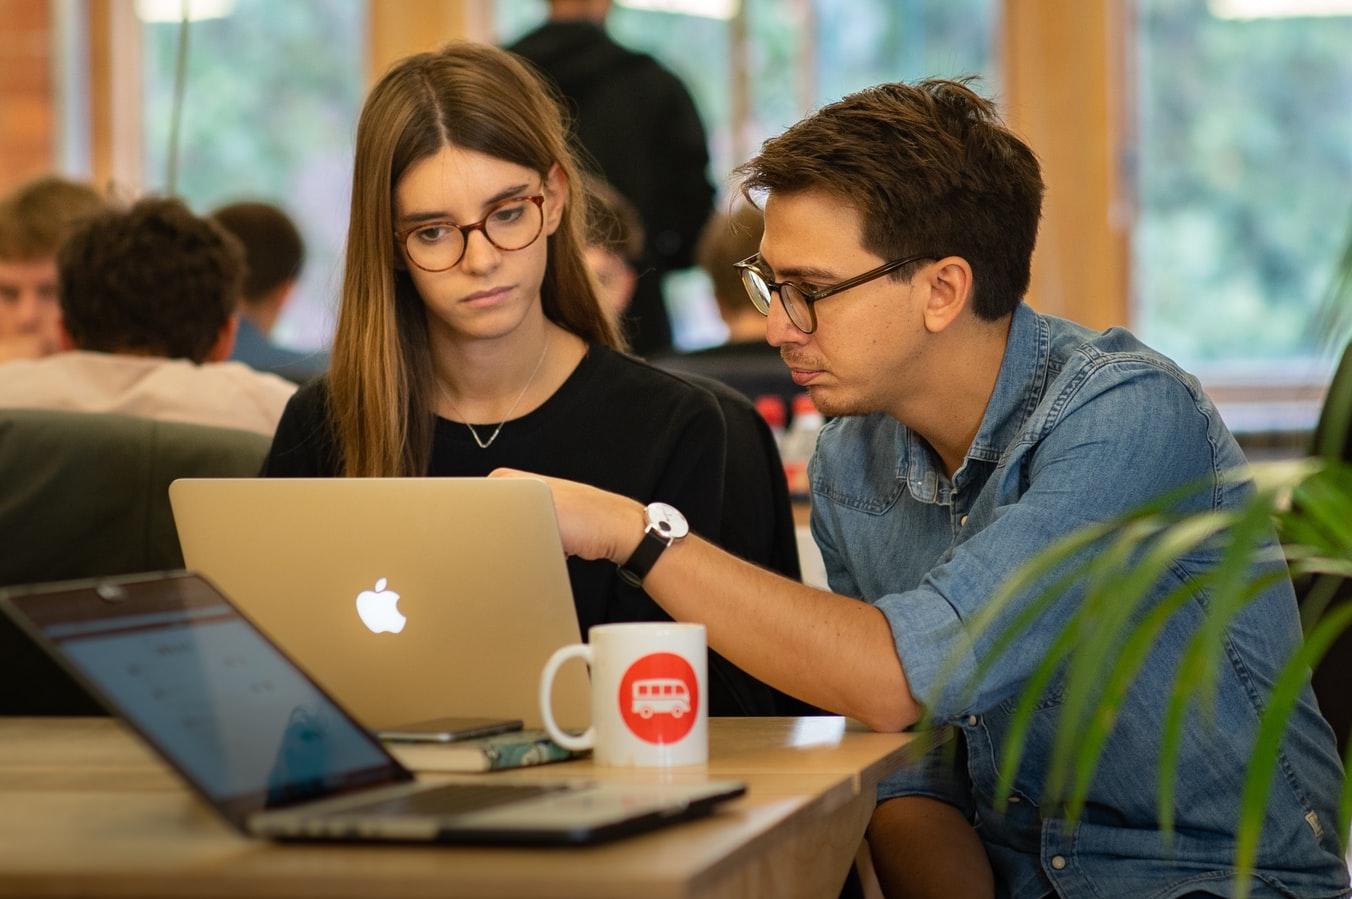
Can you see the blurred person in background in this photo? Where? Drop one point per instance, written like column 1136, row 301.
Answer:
column 727, row 240
column 274, row 253
column 614, row 247
column 746, row 362
column 34, row 219
column 639, row 124
column 148, row 297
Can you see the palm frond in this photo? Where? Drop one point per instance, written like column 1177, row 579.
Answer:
column 1109, row 634
column 1333, row 320
column 1271, row 730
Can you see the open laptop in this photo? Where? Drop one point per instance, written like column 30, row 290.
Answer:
column 274, row 754
column 407, row 598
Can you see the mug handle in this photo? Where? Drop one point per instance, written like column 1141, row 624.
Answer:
column 585, row 740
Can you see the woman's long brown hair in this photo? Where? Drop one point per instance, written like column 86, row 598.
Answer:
column 472, row 97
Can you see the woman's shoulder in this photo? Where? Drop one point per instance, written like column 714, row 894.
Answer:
column 303, row 445
column 310, row 403
column 647, row 384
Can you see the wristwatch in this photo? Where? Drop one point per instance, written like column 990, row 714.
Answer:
column 664, row 526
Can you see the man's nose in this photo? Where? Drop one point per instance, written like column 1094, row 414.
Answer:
column 28, row 308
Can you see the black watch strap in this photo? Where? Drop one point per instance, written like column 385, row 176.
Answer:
column 644, row 558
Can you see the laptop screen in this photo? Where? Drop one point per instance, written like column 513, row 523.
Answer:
column 205, row 688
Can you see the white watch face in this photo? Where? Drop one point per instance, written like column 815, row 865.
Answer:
column 666, row 521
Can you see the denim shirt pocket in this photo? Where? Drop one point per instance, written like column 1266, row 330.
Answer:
column 986, row 735
column 869, row 499
column 871, row 485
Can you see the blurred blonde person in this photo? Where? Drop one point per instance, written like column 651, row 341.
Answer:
column 614, row 248
column 34, row 219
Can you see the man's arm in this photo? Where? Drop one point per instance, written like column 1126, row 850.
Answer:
column 832, row 651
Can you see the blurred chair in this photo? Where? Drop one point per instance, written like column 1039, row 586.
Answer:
column 86, row 495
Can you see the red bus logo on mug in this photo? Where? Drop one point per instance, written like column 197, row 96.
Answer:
column 659, row 698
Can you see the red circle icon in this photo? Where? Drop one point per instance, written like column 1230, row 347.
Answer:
column 659, row 698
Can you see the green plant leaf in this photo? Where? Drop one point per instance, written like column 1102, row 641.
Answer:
column 1044, row 562
column 1271, row 731
column 1109, row 602
column 1323, row 503
column 1017, row 734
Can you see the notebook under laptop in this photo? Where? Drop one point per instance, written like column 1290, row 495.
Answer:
column 272, row 752
column 406, row 598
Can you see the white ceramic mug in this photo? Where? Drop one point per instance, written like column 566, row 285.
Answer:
column 649, row 694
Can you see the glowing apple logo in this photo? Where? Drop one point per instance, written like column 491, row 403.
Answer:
column 378, row 611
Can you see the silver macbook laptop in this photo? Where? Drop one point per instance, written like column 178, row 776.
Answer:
column 274, row 754
column 407, row 598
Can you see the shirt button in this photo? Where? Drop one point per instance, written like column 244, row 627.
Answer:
column 1059, row 862
column 973, row 720
column 962, row 522
column 1014, row 800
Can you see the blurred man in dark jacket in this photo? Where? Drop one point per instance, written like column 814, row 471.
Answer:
column 639, row 125
column 274, row 253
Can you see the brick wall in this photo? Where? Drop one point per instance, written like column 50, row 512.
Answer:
column 27, row 114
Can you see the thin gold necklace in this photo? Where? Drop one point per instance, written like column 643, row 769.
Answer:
column 485, row 444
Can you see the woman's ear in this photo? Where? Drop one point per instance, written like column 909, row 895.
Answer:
column 556, row 197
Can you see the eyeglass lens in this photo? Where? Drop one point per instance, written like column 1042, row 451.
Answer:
column 795, row 304
column 512, row 225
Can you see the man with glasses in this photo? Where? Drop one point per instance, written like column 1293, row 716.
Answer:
column 970, row 433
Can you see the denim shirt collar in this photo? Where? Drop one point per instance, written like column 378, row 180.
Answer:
column 1018, row 389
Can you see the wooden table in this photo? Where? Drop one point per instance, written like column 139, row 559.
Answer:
column 86, row 809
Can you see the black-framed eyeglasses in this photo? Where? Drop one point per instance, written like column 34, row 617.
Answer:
column 799, row 301
column 513, row 224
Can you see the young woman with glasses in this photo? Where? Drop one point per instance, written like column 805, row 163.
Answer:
column 469, row 336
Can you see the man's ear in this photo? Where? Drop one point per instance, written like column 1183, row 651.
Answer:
column 556, row 197
column 950, row 290
column 63, row 338
column 278, row 296
column 225, row 340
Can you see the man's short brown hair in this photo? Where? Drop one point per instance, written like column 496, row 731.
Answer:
column 931, row 169
column 727, row 239
column 274, row 251
column 151, row 279
column 37, row 216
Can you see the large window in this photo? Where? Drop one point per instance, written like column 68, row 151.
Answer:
column 270, row 108
column 799, row 54
column 1245, row 184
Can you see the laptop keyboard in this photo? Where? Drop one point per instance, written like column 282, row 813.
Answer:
column 456, row 799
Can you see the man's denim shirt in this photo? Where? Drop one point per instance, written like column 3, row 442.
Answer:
column 1080, row 427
